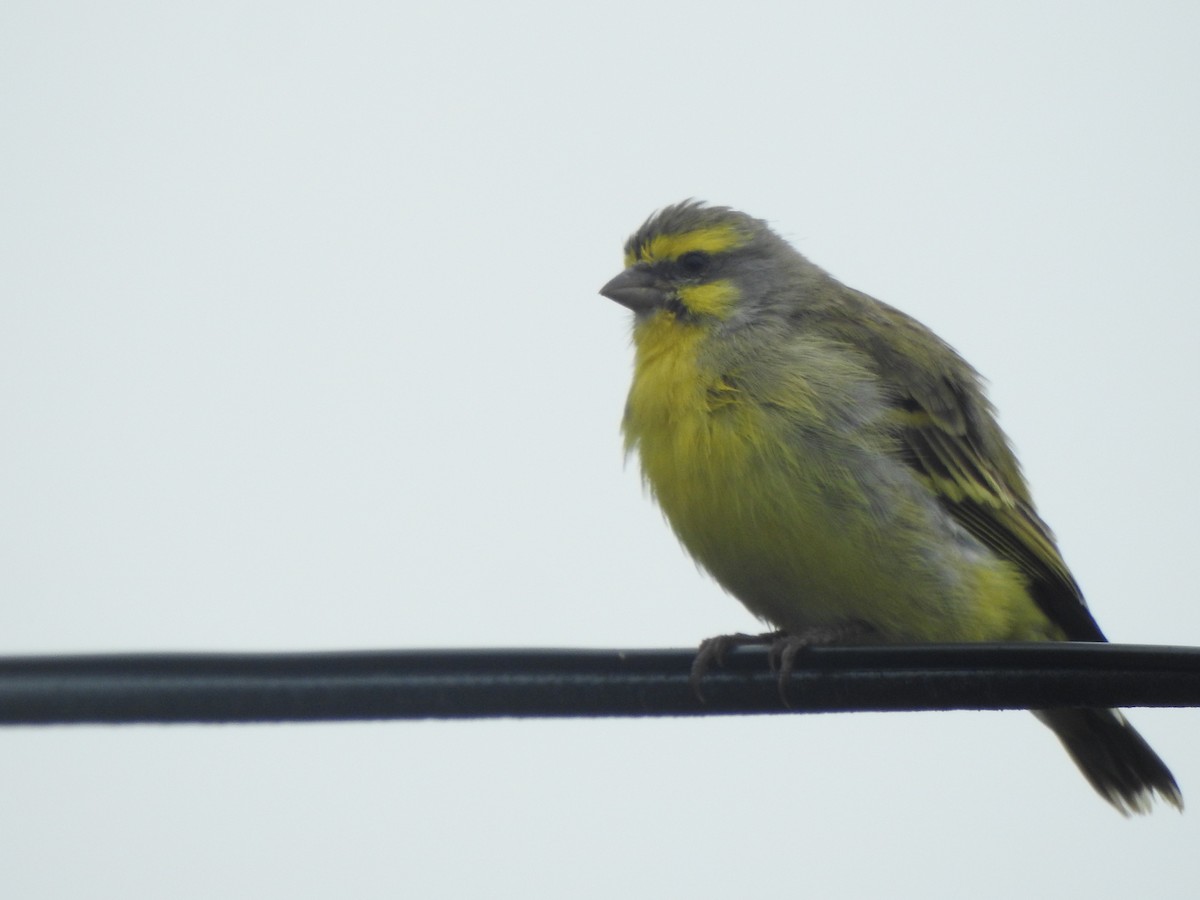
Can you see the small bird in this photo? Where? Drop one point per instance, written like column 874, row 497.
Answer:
column 837, row 467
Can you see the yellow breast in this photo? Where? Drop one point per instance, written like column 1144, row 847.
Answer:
column 708, row 458
column 791, row 524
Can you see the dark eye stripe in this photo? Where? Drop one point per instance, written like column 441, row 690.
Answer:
column 694, row 263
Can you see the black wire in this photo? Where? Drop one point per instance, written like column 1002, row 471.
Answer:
column 454, row 684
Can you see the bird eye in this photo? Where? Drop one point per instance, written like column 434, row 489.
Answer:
column 695, row 262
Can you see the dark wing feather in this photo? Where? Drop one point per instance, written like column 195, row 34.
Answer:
column 949, row 435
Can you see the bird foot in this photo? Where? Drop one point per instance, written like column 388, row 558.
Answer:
column 782, row 654
column 713, row 651
column 783, row 646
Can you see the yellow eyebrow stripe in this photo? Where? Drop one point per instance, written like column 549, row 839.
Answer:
column 665, row 247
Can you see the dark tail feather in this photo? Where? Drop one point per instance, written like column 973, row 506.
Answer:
column 1114, row 758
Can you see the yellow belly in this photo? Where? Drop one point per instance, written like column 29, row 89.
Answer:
column 794, row 527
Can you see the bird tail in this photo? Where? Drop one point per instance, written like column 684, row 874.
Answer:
column 1116, row 759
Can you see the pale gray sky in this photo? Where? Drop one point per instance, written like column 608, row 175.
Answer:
column 300, row 348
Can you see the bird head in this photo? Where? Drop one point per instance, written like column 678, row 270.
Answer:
column 704, row 265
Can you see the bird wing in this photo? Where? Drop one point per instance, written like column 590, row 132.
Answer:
column 949, row 436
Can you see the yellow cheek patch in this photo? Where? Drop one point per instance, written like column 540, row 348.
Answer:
column 717, row 298
column 664, row 247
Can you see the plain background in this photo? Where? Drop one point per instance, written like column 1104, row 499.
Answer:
column 300, row 348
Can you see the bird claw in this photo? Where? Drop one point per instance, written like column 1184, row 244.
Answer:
column 782, row 654
column 782, row 649
column 713, row 651
column 782, row 658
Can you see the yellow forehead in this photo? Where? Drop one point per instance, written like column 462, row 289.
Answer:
column 666, row 247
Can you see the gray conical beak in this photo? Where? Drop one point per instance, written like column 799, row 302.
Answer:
column 635, row 288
